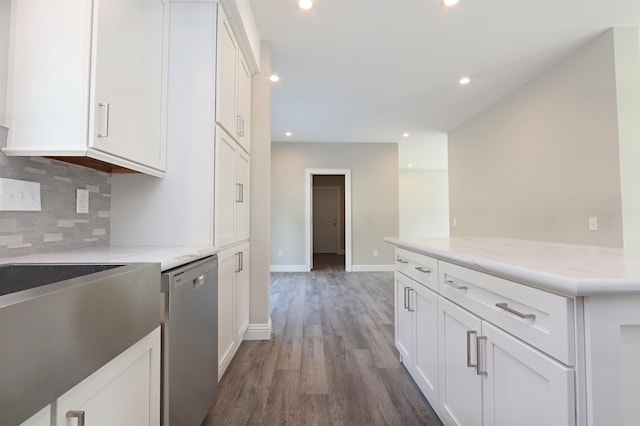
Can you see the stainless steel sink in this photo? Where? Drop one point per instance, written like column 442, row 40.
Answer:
column 59, row 323
column 17, row 277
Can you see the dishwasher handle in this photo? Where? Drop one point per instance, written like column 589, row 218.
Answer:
column 199, row 281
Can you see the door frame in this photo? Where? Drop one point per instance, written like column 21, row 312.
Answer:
column 308, row 211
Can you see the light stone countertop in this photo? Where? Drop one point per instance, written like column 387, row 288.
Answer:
column 572, row 270
column 169, row 257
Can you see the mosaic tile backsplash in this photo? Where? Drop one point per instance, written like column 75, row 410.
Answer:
column 58, row 226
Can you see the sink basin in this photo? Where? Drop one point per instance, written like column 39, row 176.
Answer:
column 18, row 277
column 59, row 323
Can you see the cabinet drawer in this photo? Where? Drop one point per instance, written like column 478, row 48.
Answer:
column 421, row 268
column 542, row 319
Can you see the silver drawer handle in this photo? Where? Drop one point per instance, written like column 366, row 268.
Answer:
column 456, row 286
column 78, row 415
column 469, row 334
column 514, row 312
column 198, row 281
column 421, row 269
column 399, row 260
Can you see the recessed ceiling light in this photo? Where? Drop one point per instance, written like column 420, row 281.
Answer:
column 450, row 2
column 464, row 81
column 274, row 77
column 288, row 133
column 405, row 135
column 305, row 4
column 409, row 165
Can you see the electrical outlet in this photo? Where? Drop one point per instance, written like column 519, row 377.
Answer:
column 455, row 222
column 19, row 195
column 82, row 201
column 280, row 253
column 375, row 252
column 593, row 223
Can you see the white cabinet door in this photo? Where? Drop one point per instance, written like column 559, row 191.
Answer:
column 460, row 385
column 425, row 341
column 403, row 323
column 233, row 302
column 242, row 291
column 523, row 386
column 129, row 66
column 243, row 198
column 125, row 392
column 227, row 191
column 244, row 104
column 90, row 82
column 227, row 74
column 226, row 308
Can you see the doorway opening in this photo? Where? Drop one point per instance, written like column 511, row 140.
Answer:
column 328, row 219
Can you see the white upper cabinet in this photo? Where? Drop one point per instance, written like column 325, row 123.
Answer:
column 232, row 207
column 233, row 100
column 90, row 83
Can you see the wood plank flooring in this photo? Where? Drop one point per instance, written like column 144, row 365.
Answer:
column 331, row 359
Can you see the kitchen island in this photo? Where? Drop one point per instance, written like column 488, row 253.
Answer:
column 526, row 332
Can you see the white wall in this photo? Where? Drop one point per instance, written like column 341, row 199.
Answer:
column 374, row 190
column 261, row 192
column 424, row 186
column 538, row 163
column 424, row 203
column 5, row 8
column 627, row 65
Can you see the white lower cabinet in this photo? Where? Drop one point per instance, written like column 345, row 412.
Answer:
column 233, row 302
column 488, row 377
column 124, row 392
column 417, row 333
column 460, row 387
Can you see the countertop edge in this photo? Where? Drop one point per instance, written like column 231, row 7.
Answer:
column 168, row 257
column 567, row 286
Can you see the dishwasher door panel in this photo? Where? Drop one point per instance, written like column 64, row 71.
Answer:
column 192, row 350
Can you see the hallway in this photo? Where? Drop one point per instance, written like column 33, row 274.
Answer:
column 331, row 359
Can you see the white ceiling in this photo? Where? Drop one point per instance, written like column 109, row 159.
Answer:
column 369, row 70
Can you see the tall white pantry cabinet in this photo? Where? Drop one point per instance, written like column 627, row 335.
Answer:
column 233, row 101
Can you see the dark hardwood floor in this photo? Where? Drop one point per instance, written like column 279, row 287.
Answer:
column 331, row 359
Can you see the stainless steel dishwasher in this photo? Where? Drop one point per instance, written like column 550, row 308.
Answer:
column 189, row 342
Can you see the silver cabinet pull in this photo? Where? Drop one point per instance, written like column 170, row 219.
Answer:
column 401, row 260
column 506, row 307
column 405, row 297
column 241, row 127
column 198, row 281
column 240, row 193
column 78, row 415
column 410, row 309
column 238, row 121
column 422, row 269
column 240, row 263
column 105, row 107
column 469, row 334
column 456, row 286
column 480, row 360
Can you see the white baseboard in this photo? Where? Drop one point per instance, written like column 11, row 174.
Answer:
column 258, row 331
column 372, row 268
column 289, row 268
